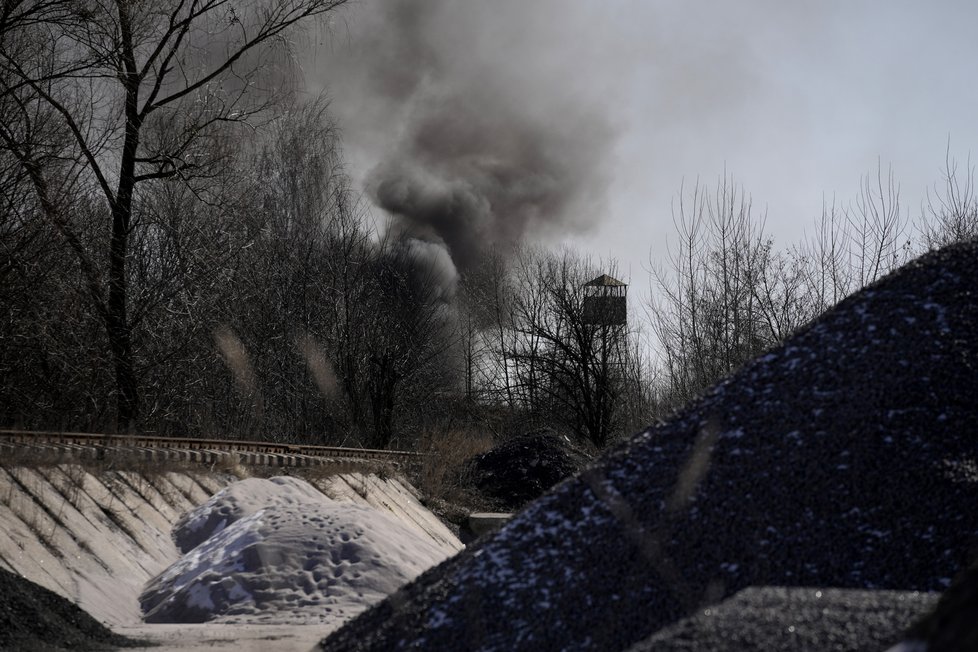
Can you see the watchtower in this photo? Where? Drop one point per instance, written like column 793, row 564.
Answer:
column 605, row 302
column 605, row 308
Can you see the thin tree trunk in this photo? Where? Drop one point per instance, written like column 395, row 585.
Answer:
column 118, row 327
column 117, row 317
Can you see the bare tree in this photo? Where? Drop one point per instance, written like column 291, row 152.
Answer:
column 950, row 214
column 566, row 367
column 46, row 346
column 728, row 294
column 411, row 334
column 109, row 72
column 486, row 296
column 876, row 228
column 280, row 268
column 719, row 304
column 823, row 261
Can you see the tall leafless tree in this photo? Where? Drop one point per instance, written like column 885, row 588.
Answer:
column 108, row 72
column 950, row 213
column 709, row 315
column 565, row 367
column 877, row 228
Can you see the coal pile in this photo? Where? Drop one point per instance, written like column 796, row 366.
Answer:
column 953, row 624
column 771, row 619
column 523, row 468
column 844, row 458
column 34, row 618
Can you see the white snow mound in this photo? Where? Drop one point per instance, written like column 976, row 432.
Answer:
column 285, row 554
column 237, row 501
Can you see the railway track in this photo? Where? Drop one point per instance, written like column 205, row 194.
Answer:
column 77, row 445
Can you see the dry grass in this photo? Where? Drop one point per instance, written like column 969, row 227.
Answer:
column 441, row 475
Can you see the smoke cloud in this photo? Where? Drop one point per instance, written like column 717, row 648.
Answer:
column 467, row 122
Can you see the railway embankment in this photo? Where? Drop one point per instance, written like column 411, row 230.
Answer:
column 94, row 525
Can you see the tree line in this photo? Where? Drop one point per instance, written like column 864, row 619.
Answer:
column 182, row 252
column 727, row 293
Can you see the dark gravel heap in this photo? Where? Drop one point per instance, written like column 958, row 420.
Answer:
column 801, row 620
column 34, row 618
column 523, row 468
column 844, row 458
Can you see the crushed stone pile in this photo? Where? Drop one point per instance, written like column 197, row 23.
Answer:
column 772, row 619
column 34, row 618
column 280, row 552
column 844, row 458
column 953, row 623
column 523, row 468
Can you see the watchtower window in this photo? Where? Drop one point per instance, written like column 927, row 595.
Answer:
column 605, row 301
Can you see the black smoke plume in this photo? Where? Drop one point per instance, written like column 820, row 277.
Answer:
column 471, row 134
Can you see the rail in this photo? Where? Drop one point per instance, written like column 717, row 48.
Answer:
column 255, row 448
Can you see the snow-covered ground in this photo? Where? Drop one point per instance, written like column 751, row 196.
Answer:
column 279, row 551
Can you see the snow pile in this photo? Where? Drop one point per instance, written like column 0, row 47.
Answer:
column 237, row 501
column 278, row 551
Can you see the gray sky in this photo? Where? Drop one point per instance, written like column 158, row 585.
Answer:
column 796, row 101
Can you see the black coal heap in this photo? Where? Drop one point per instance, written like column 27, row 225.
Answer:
column 796, row 619
column 523, row 468
column 34, row 618
column 844, row 458
column 953, row 624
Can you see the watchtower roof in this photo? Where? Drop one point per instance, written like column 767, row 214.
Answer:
column 605, row 281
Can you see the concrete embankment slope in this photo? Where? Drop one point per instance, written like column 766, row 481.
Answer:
column 97, row 536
